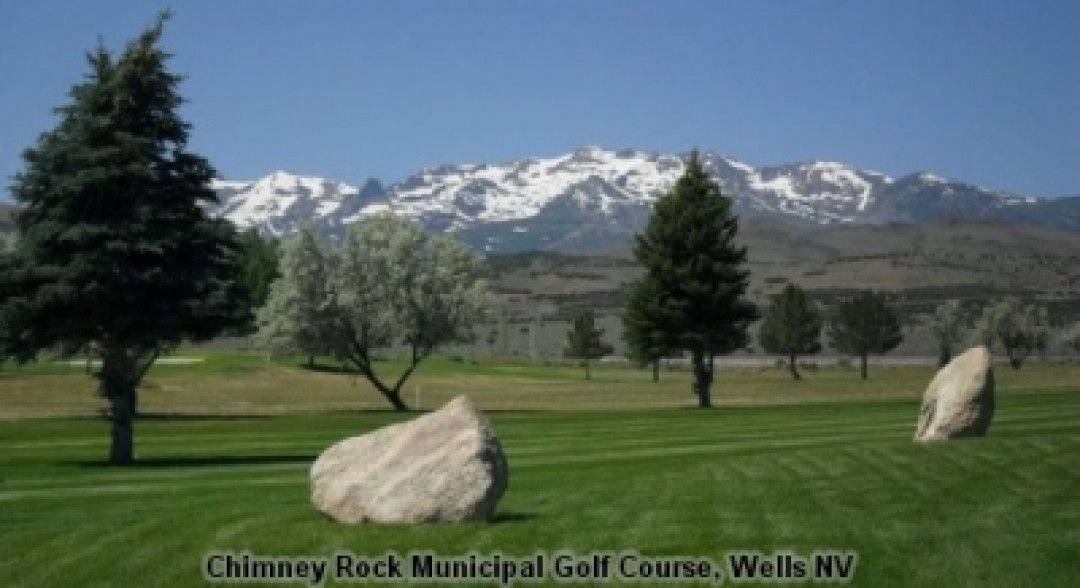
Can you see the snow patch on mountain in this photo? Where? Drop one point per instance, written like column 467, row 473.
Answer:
column 932, row 178
column 465, row 194
column 280, row 202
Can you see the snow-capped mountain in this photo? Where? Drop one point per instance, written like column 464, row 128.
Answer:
column 593, row 197
column 281, row 202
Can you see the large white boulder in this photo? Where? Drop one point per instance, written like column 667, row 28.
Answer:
column 959, row 402
column 445, row 466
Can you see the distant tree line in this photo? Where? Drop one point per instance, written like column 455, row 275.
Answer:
column 864, row 324
column 691, row 300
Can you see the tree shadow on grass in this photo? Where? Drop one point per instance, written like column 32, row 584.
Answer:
column 200, row 461
column 512, row 517
column 414, row 412
column 329, row 369
column 103, row 415
column 166, row 416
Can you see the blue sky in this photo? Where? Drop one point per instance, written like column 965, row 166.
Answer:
column 983, row 91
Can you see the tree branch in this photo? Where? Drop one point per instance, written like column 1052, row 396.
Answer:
column 418, row 355
column 359, row 355
column 146, row 366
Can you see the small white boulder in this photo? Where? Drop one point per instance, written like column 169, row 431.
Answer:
column 959, row 402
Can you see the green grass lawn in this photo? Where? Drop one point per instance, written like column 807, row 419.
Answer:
column 827, row 465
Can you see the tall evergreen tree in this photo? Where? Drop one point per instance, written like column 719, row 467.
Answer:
column 689, row 253
column 865, row 324
column 116, row 255
column 645, row 344
column 791, row 327
column 585, row 341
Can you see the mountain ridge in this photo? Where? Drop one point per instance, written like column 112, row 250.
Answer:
column 593, row 198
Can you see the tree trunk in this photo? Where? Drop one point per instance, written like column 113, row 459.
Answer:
column 310, row 361
column 794, row 367
column 862, row 364
column 1016, row 357
column 121, row 371
column 358, row 355
column 117, row 381
column 656, row 369
column 587, row 375
column 394, row 397
column 702, row 380
column 121, row 452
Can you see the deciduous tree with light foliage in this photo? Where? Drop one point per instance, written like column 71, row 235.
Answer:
column 298, row 311
column 390, row 283
column 1019, row 328
column 116, row 256
column 947, row 327
column 1070, row 339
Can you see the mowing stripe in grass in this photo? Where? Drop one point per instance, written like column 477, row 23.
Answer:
column 999, row 511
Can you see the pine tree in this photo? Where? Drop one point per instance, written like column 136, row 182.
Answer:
column 689, row 253
column 791, row 327
column 585, row 341
column 116, row 255
column 645, row 344
column 865, row 324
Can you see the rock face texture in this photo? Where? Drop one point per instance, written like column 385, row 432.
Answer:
column 959, row 402
column 445, row 466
